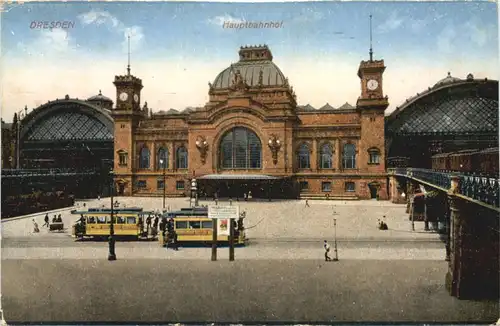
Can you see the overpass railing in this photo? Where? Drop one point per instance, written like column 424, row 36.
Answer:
column 481, row 188
column 16, row 173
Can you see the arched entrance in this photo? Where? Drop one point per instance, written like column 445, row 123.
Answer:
column 69, row 134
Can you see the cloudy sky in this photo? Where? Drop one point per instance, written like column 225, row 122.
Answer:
column 177, row 48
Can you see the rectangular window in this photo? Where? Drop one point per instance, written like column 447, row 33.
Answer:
column 130, row 220
column 122, row 159
column 194, row 224
column 179, row 185
column 160, row 184
column 304, row 186
column 181, row 224
column 326, row 186
column 206, row 225
column 350, row 187
column 374, row 158
column 141, row 184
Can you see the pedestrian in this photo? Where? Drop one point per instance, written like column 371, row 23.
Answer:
column 35, row 226
column 46, row 220
column 155, row 223
column 307, row 203
column 326, row 246
column 148, row 223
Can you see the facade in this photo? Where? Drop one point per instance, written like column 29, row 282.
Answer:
column 452, row 115
column 63, row 135
column 252, row 136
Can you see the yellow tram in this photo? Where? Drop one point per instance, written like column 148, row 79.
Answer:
column 97, row 222
column 193, row 225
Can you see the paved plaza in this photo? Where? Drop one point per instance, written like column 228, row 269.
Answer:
column 240, row 291
column 279, row 220
column 276, row 230
column 281, row 275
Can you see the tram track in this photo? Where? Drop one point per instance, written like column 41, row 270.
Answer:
column 69, row 242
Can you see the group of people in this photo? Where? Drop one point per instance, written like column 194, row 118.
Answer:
column 55, row 219
column 168, row 232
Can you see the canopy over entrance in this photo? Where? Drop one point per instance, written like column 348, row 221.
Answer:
column 245, row 185
column 256, row 177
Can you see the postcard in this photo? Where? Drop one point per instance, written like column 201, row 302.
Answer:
column 249, row 163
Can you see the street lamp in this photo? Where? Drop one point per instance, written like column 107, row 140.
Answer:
column 18, row 137
column 336, row 258
column 194, row 193
column 163, row 164
column 111, row 240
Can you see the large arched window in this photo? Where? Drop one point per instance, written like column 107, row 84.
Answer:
column 303, row 155
column 325, row 156
column 349, row 156
column 162, row 158
column 181, row 158
column 240, row 148
column 144, row 158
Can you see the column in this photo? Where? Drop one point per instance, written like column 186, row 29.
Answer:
column 337, row 155
column 314, row 155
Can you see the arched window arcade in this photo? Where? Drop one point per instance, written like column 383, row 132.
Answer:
column 162, row 158
column 303, row 157
column 144, row 157
column 349, row 156
column 240, row 148
column 181, row 161
column 326, row 157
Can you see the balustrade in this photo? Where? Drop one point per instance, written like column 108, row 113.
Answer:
column 476, row 187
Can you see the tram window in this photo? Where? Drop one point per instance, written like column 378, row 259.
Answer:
column 90, row 219
column 194, row 224
column 130, row 220
column 206, row 225
column 120, row 220
column 101, row 219
column 181, row 224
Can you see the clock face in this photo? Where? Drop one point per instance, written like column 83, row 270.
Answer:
column 123, row 96
column 136, row 98
column 372, row 84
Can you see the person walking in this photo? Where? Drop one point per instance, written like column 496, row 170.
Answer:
column 326, row 246
column 307, row 203
column 35, row 227
column 46, row 220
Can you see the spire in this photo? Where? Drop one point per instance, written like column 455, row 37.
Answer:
column 128, row 66
column 371, row 48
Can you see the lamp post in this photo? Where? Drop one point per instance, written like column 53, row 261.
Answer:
column 163, row 164
column 18, row 138
column 336, row 258
column 111, row 240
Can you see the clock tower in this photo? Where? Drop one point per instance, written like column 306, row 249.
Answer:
column 371, row 106
column 126, row 115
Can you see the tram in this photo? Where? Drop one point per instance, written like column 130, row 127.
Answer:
column 192, row 225
column 97, row 221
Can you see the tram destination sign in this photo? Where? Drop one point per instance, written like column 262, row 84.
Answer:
column 223, row 212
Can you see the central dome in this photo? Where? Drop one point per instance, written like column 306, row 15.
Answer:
column 255, row 66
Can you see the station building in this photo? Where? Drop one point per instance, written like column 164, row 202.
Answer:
column 253, row 136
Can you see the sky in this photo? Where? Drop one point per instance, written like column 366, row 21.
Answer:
column 178, row 47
